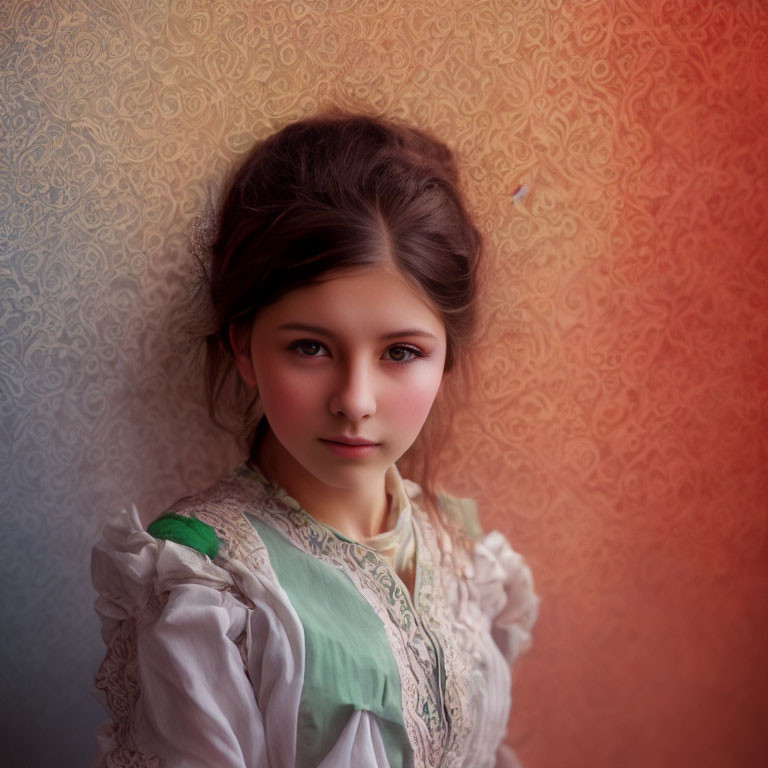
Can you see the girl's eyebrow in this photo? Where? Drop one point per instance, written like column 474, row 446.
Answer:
column 320, row 331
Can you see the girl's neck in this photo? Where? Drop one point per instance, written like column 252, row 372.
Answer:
column 357, row 512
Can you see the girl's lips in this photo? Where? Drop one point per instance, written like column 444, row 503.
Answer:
column 349, row 450
column 345, row 440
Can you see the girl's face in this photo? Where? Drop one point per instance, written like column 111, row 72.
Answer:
column 347, row 371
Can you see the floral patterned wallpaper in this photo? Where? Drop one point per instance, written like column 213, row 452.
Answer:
column 620, row 436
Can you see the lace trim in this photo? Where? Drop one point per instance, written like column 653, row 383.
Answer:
column 118, row 678
column 222, row 507
column 414, row 652
column 434, row 603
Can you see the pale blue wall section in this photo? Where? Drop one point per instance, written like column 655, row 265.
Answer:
column 98, row 407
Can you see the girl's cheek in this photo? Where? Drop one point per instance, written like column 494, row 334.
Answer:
column 417, row 400
column 293, row 392
column 285, row 390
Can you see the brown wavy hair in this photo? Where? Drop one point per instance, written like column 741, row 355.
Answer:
column 331, row 193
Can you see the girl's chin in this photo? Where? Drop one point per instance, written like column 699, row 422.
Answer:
column 349, row 474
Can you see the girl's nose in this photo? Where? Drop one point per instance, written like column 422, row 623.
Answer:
column 353, row 394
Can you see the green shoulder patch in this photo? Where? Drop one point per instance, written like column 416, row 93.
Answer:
column 188, row 531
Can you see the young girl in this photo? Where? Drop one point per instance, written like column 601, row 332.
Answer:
column 314, row 608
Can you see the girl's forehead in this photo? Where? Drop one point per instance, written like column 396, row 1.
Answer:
column 376, row 295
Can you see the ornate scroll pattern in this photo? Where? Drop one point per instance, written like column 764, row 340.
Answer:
column 619, row 434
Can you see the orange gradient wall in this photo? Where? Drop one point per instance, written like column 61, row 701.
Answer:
column 624, row 425
column 620, row 436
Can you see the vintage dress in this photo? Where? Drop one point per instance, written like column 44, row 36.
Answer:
column 297, row 646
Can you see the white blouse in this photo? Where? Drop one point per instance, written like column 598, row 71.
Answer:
column 295, row 646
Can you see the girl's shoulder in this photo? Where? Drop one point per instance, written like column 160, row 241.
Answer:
column 221, row 511
column 202, row 539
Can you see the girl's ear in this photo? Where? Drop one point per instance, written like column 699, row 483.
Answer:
column 240, row 341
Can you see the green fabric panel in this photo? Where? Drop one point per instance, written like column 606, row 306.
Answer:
column 349, row 662
column 188, row 531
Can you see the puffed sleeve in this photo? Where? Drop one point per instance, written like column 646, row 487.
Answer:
column 501, row 585
column 174, row 675
column 505, row 584
column 500, row 578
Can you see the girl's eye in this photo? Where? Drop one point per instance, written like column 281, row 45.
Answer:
column 308, row 348
column 400, row 354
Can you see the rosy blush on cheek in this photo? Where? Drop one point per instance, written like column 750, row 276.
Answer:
column 289, row 402
column 415, row 406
